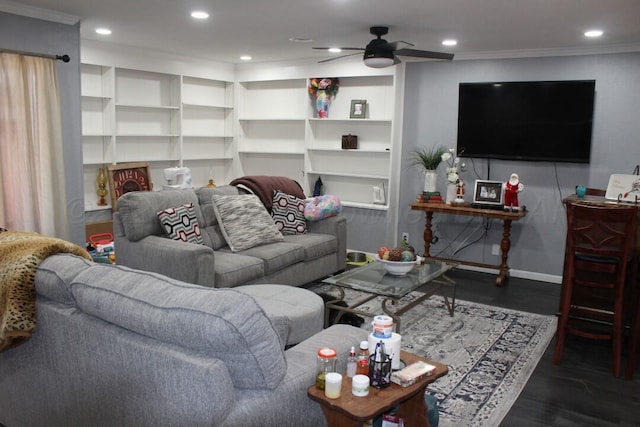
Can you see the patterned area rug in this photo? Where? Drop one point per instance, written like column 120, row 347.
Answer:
column 491, row 353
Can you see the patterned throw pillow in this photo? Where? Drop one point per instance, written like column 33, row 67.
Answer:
column 287, row 212
column 244, row 221
column 181, row 223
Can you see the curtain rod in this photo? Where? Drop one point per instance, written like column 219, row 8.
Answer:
column 63, row 58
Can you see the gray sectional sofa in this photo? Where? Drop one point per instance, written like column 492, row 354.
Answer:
column 120, row 347
column 142, row 243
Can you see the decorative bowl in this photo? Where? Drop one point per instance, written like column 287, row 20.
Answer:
column 399, row 268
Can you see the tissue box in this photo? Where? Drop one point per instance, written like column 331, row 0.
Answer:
column 411, row 374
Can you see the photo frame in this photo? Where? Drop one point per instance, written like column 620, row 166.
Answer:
column 126, row 177
column 358, row 109
column 488, row 193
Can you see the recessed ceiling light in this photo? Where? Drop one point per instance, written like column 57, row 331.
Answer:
column 300, row 40
column 593, row 33
column 449, row 42
column 245, row 58
column 103, row 31
column 199, row 14
column 335, row 50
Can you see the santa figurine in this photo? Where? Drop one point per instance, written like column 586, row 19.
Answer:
column 511, row 190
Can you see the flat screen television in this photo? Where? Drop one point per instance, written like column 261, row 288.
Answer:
column 531, row 121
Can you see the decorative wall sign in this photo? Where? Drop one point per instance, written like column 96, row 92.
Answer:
column 358, row 109
column 126, row 177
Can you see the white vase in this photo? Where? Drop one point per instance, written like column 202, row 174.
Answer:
column 451, row 192
column 430, row 178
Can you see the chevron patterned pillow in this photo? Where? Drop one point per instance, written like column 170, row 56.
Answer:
column 181, row 223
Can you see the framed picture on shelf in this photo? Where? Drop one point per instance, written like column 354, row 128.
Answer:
column 358, row 109
column 126, row 177
column 487, row 193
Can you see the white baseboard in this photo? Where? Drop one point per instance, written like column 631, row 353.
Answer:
column 521, row 274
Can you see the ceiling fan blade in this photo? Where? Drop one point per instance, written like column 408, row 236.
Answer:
column 394, row 45
column 338, row 57
column 424, row 54
column 341, row 48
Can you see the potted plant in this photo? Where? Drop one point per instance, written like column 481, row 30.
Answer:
column 429, row 159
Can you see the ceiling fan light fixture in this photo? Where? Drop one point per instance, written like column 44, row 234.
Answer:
column 378, row 62
column 378, row 58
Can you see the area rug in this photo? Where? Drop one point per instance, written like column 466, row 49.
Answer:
column 491, row 353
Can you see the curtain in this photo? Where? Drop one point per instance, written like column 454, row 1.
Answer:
column 32, row 179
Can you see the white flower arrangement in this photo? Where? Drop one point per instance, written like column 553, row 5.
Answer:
column 453, row 165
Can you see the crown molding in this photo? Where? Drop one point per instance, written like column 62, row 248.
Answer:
column 533, row 53
column 38, row 13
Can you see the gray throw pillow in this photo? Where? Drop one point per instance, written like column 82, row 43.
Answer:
column 244, row 221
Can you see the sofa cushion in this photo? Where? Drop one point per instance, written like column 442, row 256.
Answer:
column 314, row 245
column 287, row 212
column 139, row 210
column 210, row 227
column 275, row 256
column 235, row 269
column 181, row 223
column 244, row 221
column 221, row 323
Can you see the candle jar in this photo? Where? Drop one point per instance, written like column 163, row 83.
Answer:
column 326, row 362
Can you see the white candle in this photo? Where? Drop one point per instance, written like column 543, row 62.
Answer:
column 332, row 385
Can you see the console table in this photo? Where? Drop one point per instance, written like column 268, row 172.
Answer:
column 505, row 244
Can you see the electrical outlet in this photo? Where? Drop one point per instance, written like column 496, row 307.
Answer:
column 495, row 250
column 405, row 237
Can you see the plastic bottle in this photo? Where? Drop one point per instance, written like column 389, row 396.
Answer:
column 363, row 359
column 352, row 362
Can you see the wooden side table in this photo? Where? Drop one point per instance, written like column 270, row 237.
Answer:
column 351, row 411
column 505, row 243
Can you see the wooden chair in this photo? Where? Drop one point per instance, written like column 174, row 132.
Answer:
column 598, row 251
column 634, row 341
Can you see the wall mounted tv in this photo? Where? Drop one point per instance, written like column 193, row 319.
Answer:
column 532, row 121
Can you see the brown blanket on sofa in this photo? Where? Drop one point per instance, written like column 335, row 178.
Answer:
column 263, row 186
column 21, row 252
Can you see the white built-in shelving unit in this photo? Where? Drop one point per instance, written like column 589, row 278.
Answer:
column 165, row 119
column 279, row 133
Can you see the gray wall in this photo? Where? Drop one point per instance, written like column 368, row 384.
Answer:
column 431, row 99
column 38, row 36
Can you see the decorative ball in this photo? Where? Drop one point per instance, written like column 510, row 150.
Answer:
column 408, row 256
column 382, row 250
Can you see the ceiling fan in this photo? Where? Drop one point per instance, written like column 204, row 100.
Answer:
column 379, row 53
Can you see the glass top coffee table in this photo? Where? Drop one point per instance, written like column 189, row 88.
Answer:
column 427, row 278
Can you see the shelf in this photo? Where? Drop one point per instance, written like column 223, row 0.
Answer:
column 372, row 206
column 147, row 135
column 271, row 153
column 349, row 175
column 96, row 97
column 351, row 151
column 206, row 136
column 224, row 107
column 147, row 107
column 360, row 121
column 279, row 119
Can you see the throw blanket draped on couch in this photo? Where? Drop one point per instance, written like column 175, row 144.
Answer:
column 263, row 186
column 21, row 253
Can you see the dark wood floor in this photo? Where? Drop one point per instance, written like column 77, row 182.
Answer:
column 580, row 391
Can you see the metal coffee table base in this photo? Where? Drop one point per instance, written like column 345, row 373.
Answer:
column 388, row 302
